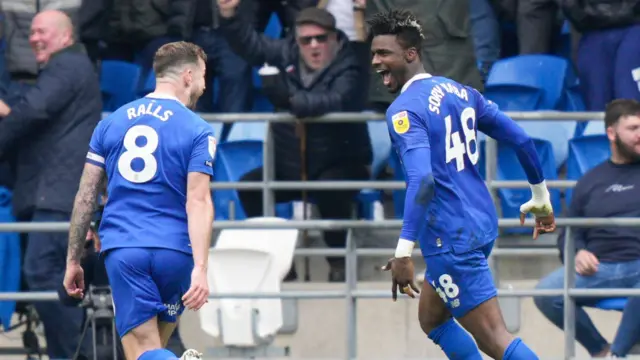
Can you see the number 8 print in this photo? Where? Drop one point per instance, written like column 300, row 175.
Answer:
column 133, row 151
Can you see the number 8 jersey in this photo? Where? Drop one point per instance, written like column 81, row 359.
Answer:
column 147, row 148
column 443, row 116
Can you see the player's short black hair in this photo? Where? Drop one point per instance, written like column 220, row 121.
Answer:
column 620, row 108
column 401, row 23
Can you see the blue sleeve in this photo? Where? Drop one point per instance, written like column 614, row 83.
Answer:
column 499, row 126
column 408, row 131
column 96, row 154
column 420, row 190
column 203, row 152
column 410, row 138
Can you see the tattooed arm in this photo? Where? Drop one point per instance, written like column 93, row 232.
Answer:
column 91, row 183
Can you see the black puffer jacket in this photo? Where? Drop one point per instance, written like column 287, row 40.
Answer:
column 590, row 15
column 341, row 87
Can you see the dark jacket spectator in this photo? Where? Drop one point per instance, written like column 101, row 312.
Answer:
column 50, row 129
column 337, row 88
column 589, row 15
column 47, row 133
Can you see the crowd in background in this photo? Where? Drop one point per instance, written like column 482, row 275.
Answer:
column 51, row 98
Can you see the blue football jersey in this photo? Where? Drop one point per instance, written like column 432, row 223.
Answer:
column 444, row 116
column 147, row 148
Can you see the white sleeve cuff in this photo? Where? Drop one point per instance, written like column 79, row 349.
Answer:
column 404, row 248
column 539, row 191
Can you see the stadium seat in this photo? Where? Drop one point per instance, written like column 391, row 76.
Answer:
column 381, row 146
column 148, row 85
column 254, row 131
column 233, row 160
column 527, row 82
column 585, row 152
column 509, row 168
column 534, row 82
column 594, row 127
column 246, row 261
column 118, row 83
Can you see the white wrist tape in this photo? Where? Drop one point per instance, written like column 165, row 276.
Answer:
column 404, row 248
column 540, row 192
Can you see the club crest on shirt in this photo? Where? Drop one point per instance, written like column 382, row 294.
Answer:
column 401, row 122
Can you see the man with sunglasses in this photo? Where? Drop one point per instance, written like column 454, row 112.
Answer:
column 314, row 72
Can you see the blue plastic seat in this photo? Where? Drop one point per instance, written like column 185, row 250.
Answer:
column 527, row 82
column 149, row 84
column 585, row 152
column 615, row 304
column 248, row 131
column 233, row 160
column 509, row 168
column 118, row 83
column 380, row 146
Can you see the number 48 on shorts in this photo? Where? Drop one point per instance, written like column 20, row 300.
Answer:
column 463, row 281
column 447, row 290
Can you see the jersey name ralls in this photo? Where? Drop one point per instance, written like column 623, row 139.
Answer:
column 438, row 92
column 152, row 109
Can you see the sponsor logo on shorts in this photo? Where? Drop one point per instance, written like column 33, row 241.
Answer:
column 173, row 309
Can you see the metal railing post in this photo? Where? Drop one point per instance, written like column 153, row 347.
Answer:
column 351, row 266
column 491, row 170
column 569, row 301
column 268, row 201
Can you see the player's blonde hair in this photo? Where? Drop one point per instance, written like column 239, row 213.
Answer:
column 172, row 57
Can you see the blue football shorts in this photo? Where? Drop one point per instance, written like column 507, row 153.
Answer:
column 147, row 282
column 463, row 281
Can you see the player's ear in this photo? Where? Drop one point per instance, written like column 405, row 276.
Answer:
column 611, row 133
column 411, row 55
column 188, row 76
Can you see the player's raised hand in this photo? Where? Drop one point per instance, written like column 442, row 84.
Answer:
column 540, row 207
column 402, row 276
column 198, row 293
column 74, row 280
column 228, row 7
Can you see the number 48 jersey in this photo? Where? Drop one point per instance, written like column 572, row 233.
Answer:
column 444, row 116
column 147, row 149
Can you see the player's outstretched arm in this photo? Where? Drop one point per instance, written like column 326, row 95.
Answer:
column 411, row 141
column 91, row 182
column 200, row 219
column 501, row 127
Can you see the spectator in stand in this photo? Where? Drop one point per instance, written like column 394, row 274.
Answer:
column 485, row 30
column 199, row 22
column 537, row 23
column 608, row 56
column 21, row 67
column 48, row 131
column 606, row 257
column 125, row 30
column 287, row 12
column 316, row 73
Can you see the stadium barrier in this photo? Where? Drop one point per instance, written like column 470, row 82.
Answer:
column 351, row 253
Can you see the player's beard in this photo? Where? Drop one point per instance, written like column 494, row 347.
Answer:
column 626, row 152
column 193, row 99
